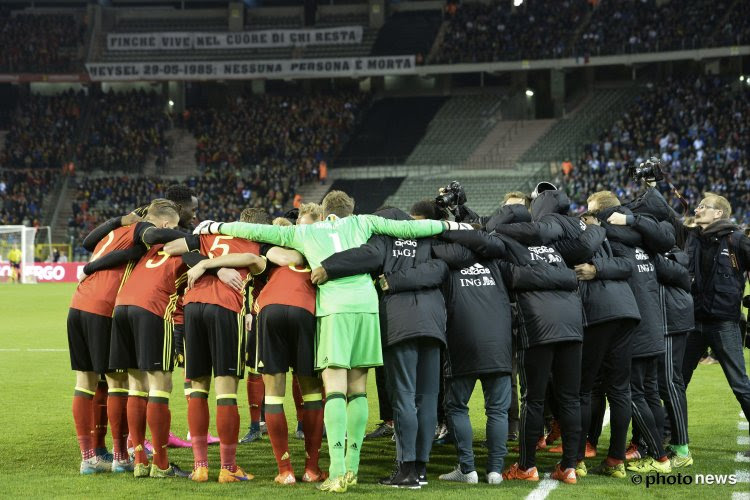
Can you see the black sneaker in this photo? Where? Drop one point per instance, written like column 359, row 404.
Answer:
column 178, row 472
column 384, row 429
column 746, row 454
column 403, row 477
column 421, row 469
column 388, row 481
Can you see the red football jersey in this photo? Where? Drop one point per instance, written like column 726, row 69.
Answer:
column 98, row 292
column 155, row 283
column 289, row 286
column 209, row 289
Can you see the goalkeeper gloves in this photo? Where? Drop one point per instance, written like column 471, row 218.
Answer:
column 453, row 226
column 208, row 227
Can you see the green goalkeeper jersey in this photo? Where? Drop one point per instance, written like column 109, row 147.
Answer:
column 322, row 239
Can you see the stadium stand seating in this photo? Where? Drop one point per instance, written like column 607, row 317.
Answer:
column 408, row 33
column 349, row 50
column 480, row 32
column 40, row 43
column 125, row 129
column 390, row 130
column 42, row 131
column 456, row 130
column 697, row 127
column 23, row 193
column 565, row 138
column 368, row 194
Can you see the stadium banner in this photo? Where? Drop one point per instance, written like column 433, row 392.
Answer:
column 243, row 70
column 184, row 40
column 48, row 272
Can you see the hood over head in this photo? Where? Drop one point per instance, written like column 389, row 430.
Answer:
column 393, row 214
column 550, row 202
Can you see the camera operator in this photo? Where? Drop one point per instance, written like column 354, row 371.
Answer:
column 639, row 238
column 719, row 260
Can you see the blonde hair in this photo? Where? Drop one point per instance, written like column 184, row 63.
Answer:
column 719, row 203
column 313, row 209
column 281, row 221
column 163, row 208
column 605, row 199
column 517, row 194
column 338, row 203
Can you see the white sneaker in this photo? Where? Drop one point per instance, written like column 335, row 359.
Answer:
column 459, row 477
column 94, row 465
column 494, row 478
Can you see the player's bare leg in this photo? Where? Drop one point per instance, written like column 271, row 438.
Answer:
column 159, row 419
column 312, row 422
column 228, row 426
column 198, row 419
column 117, row 403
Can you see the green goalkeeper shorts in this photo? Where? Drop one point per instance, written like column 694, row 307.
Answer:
column 348, row 340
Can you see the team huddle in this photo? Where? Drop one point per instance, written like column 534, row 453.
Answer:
column 598, row 304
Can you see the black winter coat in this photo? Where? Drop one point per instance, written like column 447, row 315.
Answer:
column 630, row 242
column 545, row 290
column 672, row 273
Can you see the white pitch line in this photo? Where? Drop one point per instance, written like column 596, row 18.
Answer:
column 741, row 457
column 742, row 414
column 605, row 422
column 743, row 440
column 10, row 350
column 743, row 426
column 47, row 350
column 743, row 476
column 546, row 485
column 740, row 496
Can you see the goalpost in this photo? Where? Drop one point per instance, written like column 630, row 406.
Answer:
column 17, row 241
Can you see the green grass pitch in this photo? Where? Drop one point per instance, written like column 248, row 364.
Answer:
column 39, row 454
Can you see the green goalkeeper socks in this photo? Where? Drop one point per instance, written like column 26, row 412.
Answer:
column 681, row 450
column 356, row 416
column 335, row 418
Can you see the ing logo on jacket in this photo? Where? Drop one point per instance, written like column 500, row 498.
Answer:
column 544, row 253
column 405, row 248
column 481, row 276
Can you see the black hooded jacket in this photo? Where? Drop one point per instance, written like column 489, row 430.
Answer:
column 631, row 242
column 413, row 305
column 479, row 329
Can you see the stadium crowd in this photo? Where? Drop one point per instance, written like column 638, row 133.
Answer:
column 22, row 193
column 36, row 43
column 482, row 32
column 42, row 130
column 126, row 128
column 284, row 135
column 696, row 126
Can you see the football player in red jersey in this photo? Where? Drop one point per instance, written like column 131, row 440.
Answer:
column 89, row 324
column 142, row 336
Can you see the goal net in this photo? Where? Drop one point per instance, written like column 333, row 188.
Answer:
column 17, row 254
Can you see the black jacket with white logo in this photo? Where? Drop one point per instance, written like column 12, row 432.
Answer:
column 545, row 289
column 639, row 243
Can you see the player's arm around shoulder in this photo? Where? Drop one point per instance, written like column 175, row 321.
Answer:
column 285, row 236
column 408, row 229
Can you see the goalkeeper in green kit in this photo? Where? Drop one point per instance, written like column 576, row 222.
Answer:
column 348, row 333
